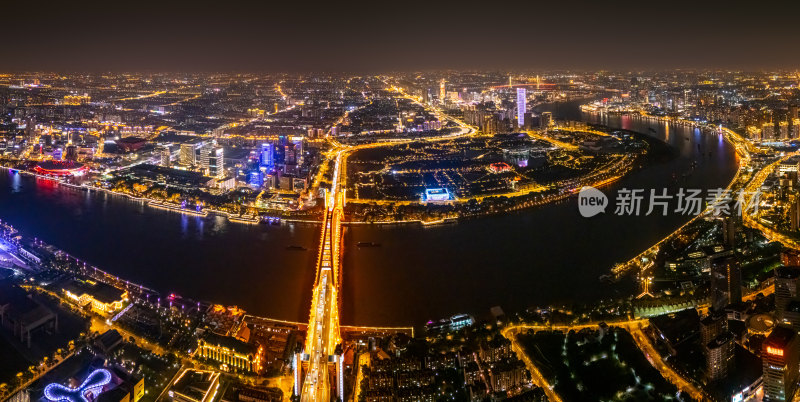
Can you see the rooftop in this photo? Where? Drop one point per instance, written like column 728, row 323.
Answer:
column 194, row 384
column 780, row 337
column 98, row 290
column 170, row 176
column 109, row 338
column 720, row 340
column 131, row 140
column 677, row 327
column 231, row 343
column 789, row 272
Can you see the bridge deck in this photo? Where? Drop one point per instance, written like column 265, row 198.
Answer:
column 323, row 330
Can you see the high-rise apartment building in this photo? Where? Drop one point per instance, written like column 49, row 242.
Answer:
column 545, row 120
column 720, row 356
column 188, row 155
column 726, row 282
column 216, row 162
column 164, row 156
column 205, row 158
column 786, row 280
column 713, row 325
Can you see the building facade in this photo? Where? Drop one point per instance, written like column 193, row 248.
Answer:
column 780, row 364
column 786, row 280
column 232, row 353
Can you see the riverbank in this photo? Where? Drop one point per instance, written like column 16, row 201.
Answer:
column 643, row 261
column 548, row 255
column 164, row 205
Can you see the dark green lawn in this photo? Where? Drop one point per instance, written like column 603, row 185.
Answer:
column 585, row 367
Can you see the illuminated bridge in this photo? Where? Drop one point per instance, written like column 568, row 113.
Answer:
column 321, row 361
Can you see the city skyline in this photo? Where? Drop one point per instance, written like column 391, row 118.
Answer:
column 475, row 235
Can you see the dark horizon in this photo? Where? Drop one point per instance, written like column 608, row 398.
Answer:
column 407, row 36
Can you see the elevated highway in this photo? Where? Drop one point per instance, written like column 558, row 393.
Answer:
column 323, row 334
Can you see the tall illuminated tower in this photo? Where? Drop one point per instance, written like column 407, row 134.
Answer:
column 265, row 159
column 521, row 99
column 216, row 162
column 442, row 90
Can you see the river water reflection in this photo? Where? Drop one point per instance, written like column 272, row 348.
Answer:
column 536, row 256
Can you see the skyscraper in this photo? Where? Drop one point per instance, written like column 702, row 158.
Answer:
column 205, row 157
column 545, row 120
column 266, row 155
column 212, row 160
column 726, row 282
column 779, row 356
column 720, row 356
column 786, row 280
column 188, row 154
column 713, row 325
column 164, row 156
column 290, row 158
column 216, row 162
column 298, row 149
column 521, row 99
column 442, row 90
column 730, row 225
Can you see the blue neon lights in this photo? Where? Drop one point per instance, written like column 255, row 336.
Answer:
column 93, row 384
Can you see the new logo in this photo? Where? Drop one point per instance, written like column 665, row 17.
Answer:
column 591, row 202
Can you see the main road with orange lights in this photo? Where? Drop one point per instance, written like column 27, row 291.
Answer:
column 323, row 335
column 318, row 369
column 751, row 218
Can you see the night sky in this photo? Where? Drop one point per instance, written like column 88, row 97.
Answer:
column 381, row 36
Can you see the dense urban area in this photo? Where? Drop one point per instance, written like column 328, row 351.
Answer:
column 715, row 314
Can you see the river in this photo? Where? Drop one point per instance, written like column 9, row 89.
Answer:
column 533, row 257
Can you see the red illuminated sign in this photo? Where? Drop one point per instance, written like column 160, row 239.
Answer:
column 774, row 351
